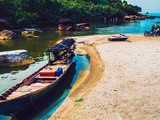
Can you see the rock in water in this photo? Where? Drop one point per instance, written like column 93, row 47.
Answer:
column 15, row 58
column 6, row 35
column 31, row 33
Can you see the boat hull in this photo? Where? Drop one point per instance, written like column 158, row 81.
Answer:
column 10, row 108
column 16, row 106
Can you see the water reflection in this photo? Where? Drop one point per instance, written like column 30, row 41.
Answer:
column 8, row 79
column 13, row 70
column 2, row 117
column 6, row 43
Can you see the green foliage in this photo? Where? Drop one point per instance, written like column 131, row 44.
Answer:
column 131, row 10
column 26, row 12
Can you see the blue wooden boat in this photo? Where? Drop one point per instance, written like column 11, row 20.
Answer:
column 31, row 90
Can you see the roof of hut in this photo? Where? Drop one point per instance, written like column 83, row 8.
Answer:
column 63, row 45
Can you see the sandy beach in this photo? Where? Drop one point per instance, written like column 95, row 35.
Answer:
column 123, row 82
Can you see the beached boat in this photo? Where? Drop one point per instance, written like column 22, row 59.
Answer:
column 35, row 87
column 118, row 38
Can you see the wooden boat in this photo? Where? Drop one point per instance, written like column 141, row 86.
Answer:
column 32, row 89
column 118, row 38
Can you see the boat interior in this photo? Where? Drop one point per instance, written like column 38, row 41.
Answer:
column 35, row 82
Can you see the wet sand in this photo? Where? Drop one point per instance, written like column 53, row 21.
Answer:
column 123, row 83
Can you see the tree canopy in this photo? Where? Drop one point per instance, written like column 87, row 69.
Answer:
column 26, row 12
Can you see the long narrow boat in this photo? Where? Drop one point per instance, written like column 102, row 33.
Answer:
column 32, row 89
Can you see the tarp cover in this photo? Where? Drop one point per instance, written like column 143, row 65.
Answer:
column 63, row 45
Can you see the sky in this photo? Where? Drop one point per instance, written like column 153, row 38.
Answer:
column 152, row 6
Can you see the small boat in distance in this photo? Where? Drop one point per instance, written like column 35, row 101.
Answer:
column 120, row 37
column 31, row 90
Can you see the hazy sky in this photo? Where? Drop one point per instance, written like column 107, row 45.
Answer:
column 147, row 5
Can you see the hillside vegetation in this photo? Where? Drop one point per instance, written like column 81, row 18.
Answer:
column 26, row 12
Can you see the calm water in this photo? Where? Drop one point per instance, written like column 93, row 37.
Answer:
column 153, row 14
column 49, row 37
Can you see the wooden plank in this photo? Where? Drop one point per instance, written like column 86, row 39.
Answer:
column 46, row 78
column 45, row 81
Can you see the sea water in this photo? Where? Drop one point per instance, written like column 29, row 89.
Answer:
column 153, row 14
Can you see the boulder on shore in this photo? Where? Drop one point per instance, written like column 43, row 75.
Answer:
column 69, row 25
column 6, row 35
column 138, row 17
column 15, row 58
column 83, row 26
column 66, row 25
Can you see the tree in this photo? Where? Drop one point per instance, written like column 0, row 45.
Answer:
column 26, row 12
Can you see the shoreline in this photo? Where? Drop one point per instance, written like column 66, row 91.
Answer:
column 80, row 87
column 86, row 90
column 129, row 17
